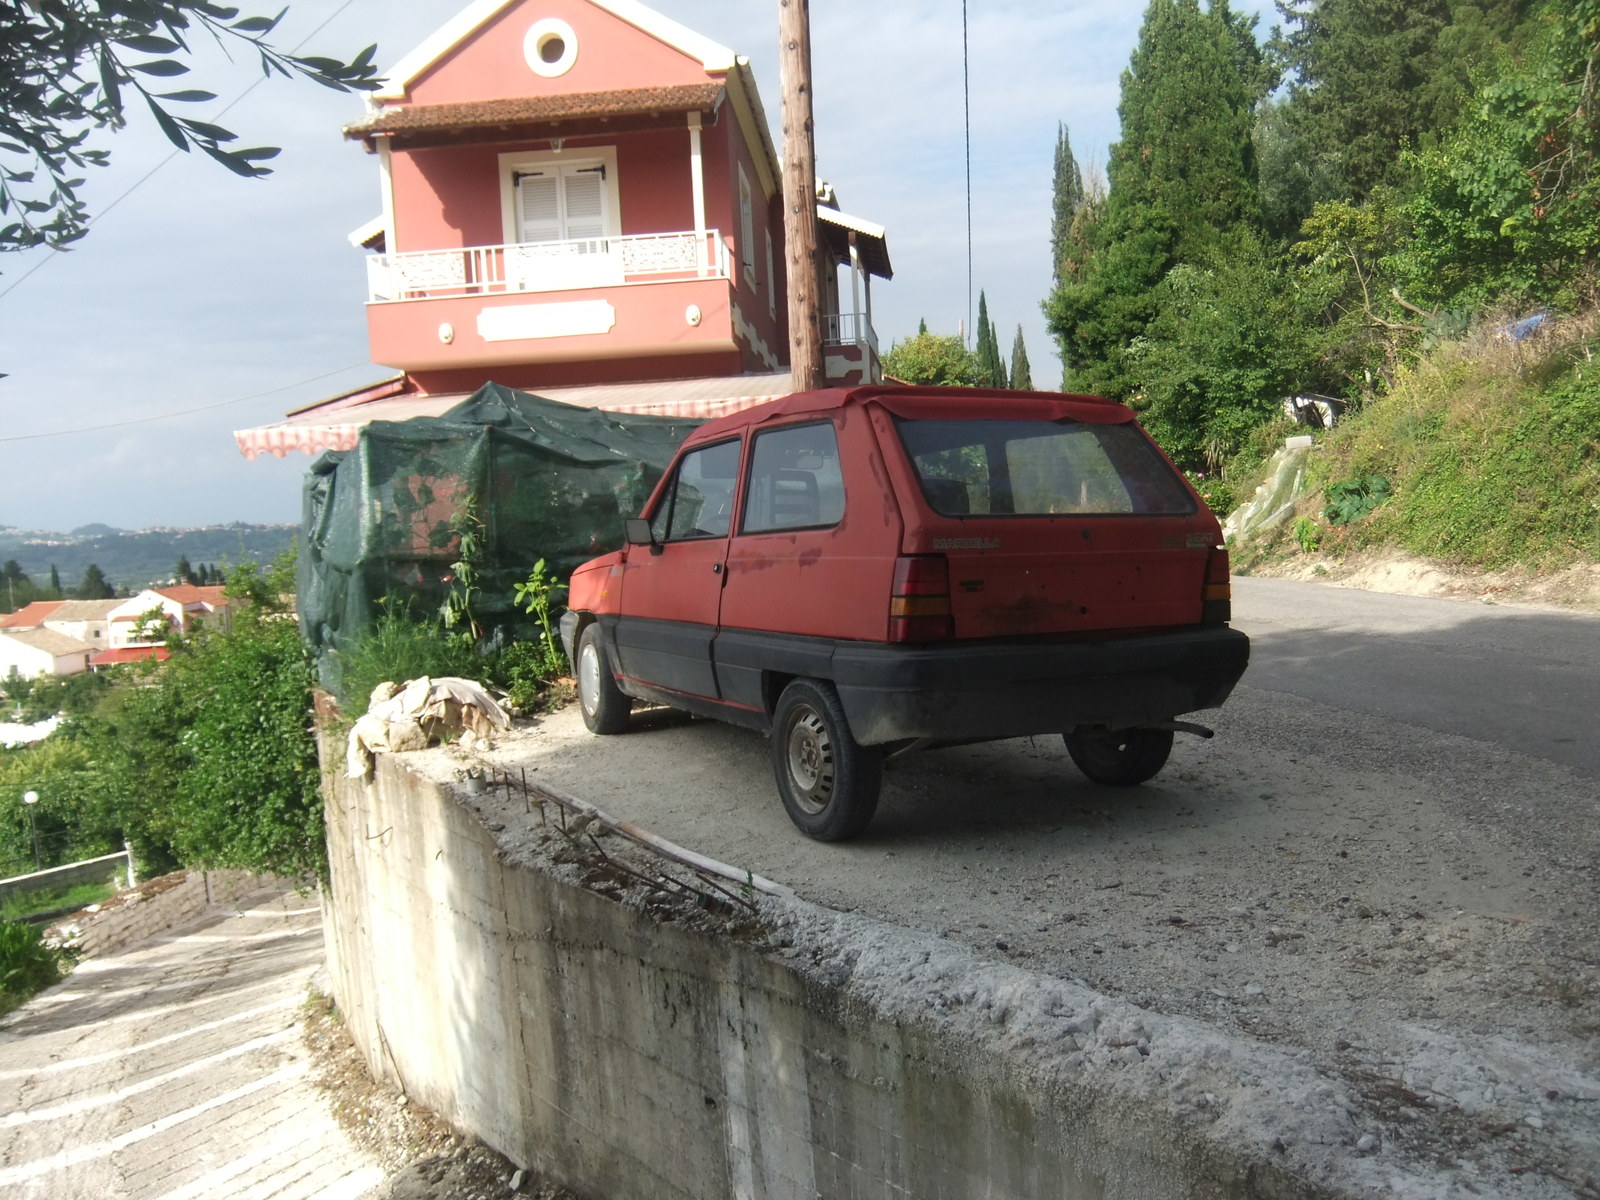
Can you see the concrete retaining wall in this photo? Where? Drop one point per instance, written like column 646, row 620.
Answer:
column 108, row 867
column 140, row 916
column 633, row 1051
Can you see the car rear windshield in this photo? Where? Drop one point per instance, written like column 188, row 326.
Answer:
column 1041, row 468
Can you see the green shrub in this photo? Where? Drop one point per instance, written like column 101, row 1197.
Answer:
column 398, row 647
column 1351, row 499
column 27, row 964
column 1306, row 534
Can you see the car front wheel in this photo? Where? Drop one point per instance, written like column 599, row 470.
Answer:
column 1119, row 757
column 605, row 709
column 829, row 784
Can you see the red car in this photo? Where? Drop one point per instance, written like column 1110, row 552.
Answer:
column 860, row 571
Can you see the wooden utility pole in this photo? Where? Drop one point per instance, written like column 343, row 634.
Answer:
column 800, row 194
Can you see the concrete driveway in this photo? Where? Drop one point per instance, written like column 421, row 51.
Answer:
column 176, row 1070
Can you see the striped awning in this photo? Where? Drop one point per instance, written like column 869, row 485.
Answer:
column 336, row 424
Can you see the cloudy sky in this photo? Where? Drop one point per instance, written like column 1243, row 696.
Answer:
column 201, row 303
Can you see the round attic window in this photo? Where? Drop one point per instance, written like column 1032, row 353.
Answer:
column 551, row 47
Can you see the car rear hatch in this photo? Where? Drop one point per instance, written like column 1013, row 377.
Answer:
column 1044, row 516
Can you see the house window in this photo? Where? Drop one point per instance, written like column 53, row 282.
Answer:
column 550, row 47
column 560, row 214
column 772, row 280
column 565, row 203
column 747, row 229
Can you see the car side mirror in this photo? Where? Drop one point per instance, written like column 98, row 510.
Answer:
column 636, row 531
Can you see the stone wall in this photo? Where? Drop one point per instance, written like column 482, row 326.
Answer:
column 152, row 909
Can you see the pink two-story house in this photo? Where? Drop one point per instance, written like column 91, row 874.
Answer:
column 581, row 198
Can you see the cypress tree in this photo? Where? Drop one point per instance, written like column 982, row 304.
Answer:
column 1067, row 198
column 991, row 367
column 93, row 586
column 1182, row 177
column 55, row 580
column 1021, row 376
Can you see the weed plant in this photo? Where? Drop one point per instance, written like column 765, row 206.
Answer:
column 27, row 964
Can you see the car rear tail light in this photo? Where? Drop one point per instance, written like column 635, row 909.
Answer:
column 919, row 603
column 1217, row 592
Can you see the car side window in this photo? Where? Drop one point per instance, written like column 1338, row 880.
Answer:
column 699, row 501
column 795, row 480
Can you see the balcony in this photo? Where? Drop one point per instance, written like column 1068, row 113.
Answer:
column 547, row 266
column 478, row 308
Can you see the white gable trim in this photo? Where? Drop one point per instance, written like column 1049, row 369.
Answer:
column 399, row 78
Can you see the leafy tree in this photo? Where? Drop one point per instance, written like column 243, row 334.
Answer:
column 1361, row 71
column 991, row 367
column 1021, row 376
column 70, row 67
column 16, row 589
column 932, row 360
column 1232, row 337
column 1182, row 175
column 1372, row 77
column 1347, row 254
column 1511, row 204
column 93, row 585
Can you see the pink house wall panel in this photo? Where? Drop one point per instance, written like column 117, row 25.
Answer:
column 451, row 196
column 657, row 192
column 612, row 56
column 649, row 321
column 446, row 197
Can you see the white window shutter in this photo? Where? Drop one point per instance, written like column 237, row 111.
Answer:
column 538, row 207
column 585, row 196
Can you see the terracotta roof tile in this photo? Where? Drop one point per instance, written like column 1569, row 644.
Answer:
column 128, row 654
column 521, row 110
column 30, row 615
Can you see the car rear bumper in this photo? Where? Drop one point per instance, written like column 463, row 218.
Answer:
column 1014, row 690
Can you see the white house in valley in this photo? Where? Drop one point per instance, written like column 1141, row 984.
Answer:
column 30, row 653
column 86, row 620
column 183, row 606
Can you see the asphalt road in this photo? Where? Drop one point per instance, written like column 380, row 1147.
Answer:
column 1523, row 678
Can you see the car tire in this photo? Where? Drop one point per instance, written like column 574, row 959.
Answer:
column 829, row 783
column 605, row 709
column 1119, row 757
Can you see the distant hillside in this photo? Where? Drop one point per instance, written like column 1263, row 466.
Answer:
column 133, row 559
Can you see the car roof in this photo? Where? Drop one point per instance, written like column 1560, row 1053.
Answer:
column 927, row 403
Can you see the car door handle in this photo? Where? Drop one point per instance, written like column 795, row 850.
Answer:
column 716, row 568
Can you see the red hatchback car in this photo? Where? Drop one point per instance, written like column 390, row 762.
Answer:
column 861, row 571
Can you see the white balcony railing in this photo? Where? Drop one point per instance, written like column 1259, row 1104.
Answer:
column 547, row 266
column 849, row 329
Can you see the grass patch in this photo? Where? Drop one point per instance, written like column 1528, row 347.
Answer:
column 1491, row 450
column 18, row 905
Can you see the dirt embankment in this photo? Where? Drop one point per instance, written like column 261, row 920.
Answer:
column 1572, row 589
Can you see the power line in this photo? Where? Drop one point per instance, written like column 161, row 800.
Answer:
column 138, row 183
column 966, row 122
column 28, row 437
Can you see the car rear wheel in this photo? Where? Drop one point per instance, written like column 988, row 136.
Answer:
column 829, row 784
column 1119, row 757
column 605, row 709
